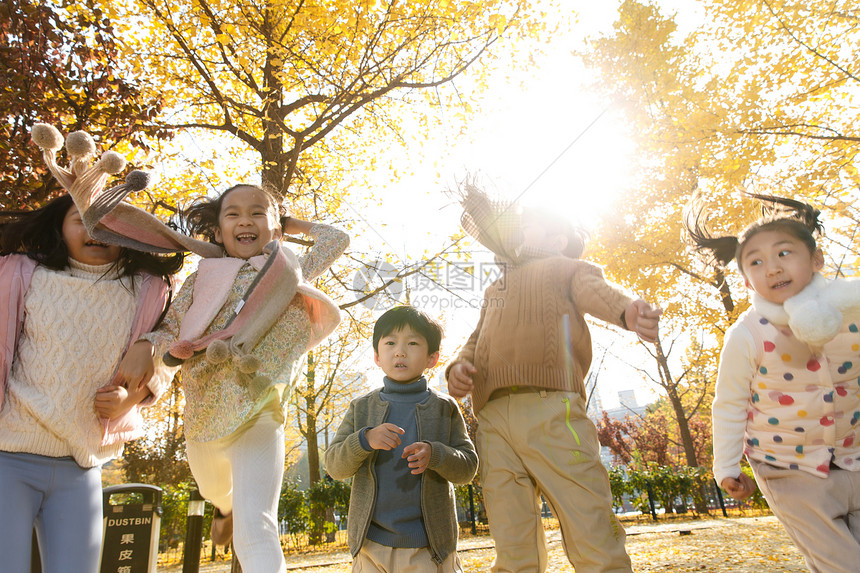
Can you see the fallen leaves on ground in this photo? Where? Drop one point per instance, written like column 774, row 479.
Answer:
column 739, row 545
column 736, row 545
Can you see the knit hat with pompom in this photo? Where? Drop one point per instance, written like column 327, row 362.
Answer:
column 109, row 219
column 105, row 215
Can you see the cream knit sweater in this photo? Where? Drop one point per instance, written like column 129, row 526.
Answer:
column 76, row 328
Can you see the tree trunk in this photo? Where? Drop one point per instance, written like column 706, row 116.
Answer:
column 683, row 426
column 725, row 293
column 315, row 535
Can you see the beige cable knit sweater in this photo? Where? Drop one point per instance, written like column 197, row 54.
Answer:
column 521, row 337
column 76, row 329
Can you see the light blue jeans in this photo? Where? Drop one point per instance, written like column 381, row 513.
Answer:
column 62, row 500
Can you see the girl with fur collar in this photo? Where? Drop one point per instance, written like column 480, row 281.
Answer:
column 787, row 392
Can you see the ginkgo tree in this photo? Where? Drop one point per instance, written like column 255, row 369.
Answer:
column 762, row 96
column 306, row 94
column 334, row 374
column 283, row 76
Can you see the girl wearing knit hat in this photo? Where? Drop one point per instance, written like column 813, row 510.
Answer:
column 238, row 326
column 71, row 308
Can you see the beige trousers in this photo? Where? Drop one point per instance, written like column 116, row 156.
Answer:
column 821, row 515
column 376, row 558
column 543, row 443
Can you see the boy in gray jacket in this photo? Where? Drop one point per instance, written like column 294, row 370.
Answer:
column 404, row 444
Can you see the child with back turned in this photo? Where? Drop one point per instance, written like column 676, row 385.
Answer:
column 787, row 387
column 524, row 366
column 404, row 444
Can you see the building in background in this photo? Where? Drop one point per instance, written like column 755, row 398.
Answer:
column 629, row 406
column 627, row 399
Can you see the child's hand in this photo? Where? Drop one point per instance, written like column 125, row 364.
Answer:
column 384, row 437
column 137, row 366
column 643, row 319
column 460, row 379
column 418, row 455
column 739, row 488
column 114, row 401
column 110, row 401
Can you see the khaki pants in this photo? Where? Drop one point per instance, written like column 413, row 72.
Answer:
column 542, row 442
column 376, row 558
column 821, row 515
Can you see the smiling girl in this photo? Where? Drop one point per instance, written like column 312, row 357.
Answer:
column 787, row 388
column 234, row 412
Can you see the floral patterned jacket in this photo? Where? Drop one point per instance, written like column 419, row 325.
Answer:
column 219, row 397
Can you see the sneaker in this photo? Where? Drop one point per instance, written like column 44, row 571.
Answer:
column 222, row 528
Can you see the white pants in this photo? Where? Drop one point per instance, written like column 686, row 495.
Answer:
column 242, row 473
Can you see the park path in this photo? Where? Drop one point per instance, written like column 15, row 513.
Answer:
column 736, row 545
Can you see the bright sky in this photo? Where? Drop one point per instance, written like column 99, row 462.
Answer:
column 549, row 142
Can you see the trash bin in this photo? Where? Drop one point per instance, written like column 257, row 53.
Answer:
column 131, row 530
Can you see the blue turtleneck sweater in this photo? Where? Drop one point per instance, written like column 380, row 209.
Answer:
column 397, row 518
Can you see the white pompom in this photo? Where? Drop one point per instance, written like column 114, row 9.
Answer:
column 259, row 384
column 80, row 144
column 46, row 136
column 111, row 162
column 247, row 363
column 217, row 352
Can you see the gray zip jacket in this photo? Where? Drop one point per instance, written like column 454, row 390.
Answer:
column 452, row 460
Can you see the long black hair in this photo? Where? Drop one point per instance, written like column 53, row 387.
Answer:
column 796, row 218
column 39, row 235
column 201, row 218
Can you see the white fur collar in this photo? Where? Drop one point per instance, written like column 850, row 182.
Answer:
column 776, row 313
column 816, row 314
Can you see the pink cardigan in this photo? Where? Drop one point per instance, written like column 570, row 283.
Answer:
column 16, row 272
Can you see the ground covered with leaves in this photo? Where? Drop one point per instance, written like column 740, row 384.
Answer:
column 740, row 545
column 737, row 545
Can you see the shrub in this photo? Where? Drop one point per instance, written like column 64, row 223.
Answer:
column 292, row 508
